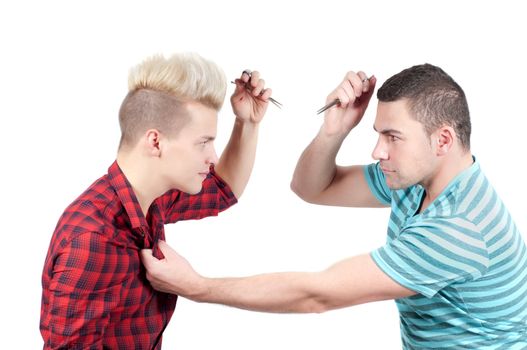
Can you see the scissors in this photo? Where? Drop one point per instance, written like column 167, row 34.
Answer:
column 335, row 101
column 273, row 101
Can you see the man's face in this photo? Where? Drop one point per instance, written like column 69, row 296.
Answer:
column 404, row 149
column 188, row 155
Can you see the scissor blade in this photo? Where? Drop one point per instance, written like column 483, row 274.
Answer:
column 329, row 105
column 275, row 102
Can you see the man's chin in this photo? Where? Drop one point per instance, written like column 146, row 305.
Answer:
column 397, row 186
column 193, row 189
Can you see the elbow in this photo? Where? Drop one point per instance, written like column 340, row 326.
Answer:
column 301, row 192
column 296, row 188
column 317, row 306
column 321, row 308
column 317, row 302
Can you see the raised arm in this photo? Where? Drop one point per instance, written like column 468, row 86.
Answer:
column 353, row 281
column 317, row 178
column 249, row 103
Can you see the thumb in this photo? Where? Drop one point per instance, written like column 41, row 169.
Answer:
column 147, row 258
column 166, row 249
column 367, row 96
column 240, row 87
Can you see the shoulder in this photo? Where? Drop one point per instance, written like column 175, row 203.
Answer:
column 90, row 211
column 454, row 236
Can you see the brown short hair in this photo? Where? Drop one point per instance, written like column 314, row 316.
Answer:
column 434, row 99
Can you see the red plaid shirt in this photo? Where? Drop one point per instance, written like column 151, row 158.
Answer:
column 95, row 293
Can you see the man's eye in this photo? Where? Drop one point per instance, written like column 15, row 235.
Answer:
column 393, row 138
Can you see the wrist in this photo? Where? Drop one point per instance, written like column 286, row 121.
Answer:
column 245, row 127
column 246, row 123
column 199, row 289
column 332, row 135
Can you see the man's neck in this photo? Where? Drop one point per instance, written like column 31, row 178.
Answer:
column 446, row 173
column 143, row 185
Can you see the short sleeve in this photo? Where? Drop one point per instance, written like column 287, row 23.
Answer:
column 377, row 183
column 215, row 196
column 431, row 256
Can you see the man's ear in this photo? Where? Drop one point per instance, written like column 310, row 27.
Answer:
column 152, row 140
column 445, row 137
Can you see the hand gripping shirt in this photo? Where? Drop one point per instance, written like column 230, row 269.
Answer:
column 464, row 257
column 95, row 292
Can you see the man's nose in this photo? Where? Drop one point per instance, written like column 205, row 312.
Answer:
column 213, row 157
column 379, row 152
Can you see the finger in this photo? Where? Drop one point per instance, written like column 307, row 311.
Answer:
column 147, row 258
column 355, row 82
column 347, row 83
column 372, row 81
column 240, row 89
column 166, row 249
column 240, row 84
column 255, row 77
column 266, row 94
column 246, row 75
column 259, row 87
column 347, row 87
column 364, row 80
column 344, row 98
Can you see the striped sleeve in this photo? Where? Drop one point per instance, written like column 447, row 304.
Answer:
column 434, row 255
column 377, row 183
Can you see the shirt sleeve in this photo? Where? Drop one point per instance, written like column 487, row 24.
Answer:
column 377, row 183
column 214, row 197
column 85, row 287
column 434, row 255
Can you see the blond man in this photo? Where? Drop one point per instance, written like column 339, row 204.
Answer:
column 95, row 293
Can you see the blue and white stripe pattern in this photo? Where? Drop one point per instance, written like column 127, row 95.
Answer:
column 465, row 258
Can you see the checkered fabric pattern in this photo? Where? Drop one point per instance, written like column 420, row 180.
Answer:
column 95, row 292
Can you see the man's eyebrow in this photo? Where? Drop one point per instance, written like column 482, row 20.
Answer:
column 208, row 138
column 387, row 131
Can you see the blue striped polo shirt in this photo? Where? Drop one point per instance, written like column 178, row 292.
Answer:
column 464, row 257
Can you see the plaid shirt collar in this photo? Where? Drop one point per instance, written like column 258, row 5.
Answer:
column 126, row 194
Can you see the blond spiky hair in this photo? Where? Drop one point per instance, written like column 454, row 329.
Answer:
column 159, row 88
column 184, row 75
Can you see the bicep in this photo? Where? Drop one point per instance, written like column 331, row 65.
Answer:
column 349, row 188
column 357, row 280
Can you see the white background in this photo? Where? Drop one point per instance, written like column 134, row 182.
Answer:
column 63, row 75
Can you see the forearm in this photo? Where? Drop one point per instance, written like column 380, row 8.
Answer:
column 349, row 282
column 286, row 292
column 316, row 167
column 237, row 160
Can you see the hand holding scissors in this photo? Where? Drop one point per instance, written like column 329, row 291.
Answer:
column 347, row 103
column 250, row 99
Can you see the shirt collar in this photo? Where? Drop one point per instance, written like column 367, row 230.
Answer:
column 452, row 188
column 468, row 172
column 127, row 196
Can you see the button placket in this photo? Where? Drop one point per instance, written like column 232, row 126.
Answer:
column 143, row 232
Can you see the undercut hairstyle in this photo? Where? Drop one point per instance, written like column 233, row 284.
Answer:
column 434, row 99
column 158, row 89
